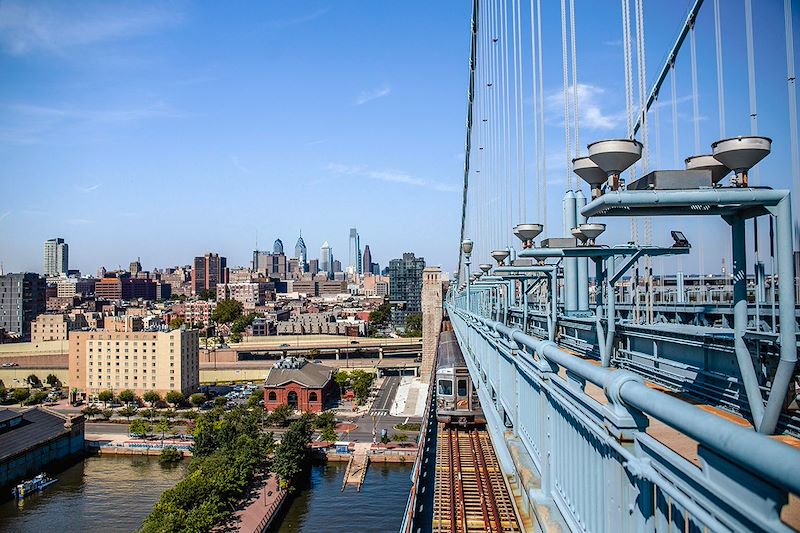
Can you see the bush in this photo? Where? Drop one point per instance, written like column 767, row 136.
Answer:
column 175, row 398
column 128, row 411
column 399, row 437
column 408, row 426
column 107, row 413
column 20, row 395
column 197, row 399
column 170, row 455
column 220, row 401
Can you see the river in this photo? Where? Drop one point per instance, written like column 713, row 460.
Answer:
column 322, row 506
column 109, row 494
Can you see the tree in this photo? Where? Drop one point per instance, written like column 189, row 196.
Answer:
column 227, row 311
column 291, row 454
column 128, row 411
column 399, row 437
column 329, row 434
column 175, row 398
column 197, row 399
column 235, row 337
column 413, row 325
column 170, row 455
column 342, row 379
column 140, row 428
column 325, row 419
column 163, row 425
column 3, row 393
column 255, row 398
column 207, row 294
column 380, row 317
column 220, row 401
column 127, row 396
column 36, row 398
column 279, row 416
column 361, row 382
column 313, row 353
column 152, row 397
column 52, row 380
column 20, row 395
column 149, row 414
column 90, row 411
column 176, row 323
column 107, row 413
column 34, row 381
column 105, row 397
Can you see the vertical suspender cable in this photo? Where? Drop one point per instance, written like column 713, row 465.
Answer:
column 751, row 66
column 536, row 147
column 565, row 65
column 516, row 107
column 523, row 172
column 505, row 233
column 575, row 96
column 793, row 139
column 543, row 156
column 720, row 77
column 696, row 123
column 675, row 143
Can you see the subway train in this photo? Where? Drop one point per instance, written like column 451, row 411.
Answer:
column 456, row 400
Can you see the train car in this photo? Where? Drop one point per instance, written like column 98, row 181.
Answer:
column 456, row 400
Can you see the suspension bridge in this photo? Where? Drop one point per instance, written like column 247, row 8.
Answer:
column 626, row 383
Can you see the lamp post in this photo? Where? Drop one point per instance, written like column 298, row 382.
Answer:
column 466, row 247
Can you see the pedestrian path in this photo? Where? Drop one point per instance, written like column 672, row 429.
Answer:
column 357, row 467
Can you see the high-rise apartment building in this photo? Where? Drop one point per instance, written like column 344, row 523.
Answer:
column 207, row 271
column 271, row 264
column 326, row 259
column 405, row 287
column 22, row 299
column 56, row 257
column 355, row 266
column 137, row 360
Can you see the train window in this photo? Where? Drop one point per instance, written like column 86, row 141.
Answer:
column 445, row 387
column 462, row 387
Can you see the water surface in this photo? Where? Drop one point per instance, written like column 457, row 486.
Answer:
column 108, row 494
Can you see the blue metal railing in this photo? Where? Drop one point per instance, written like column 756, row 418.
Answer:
column 595, row 462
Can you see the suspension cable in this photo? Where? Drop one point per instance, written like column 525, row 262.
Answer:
column 695, row 98
column 674, row 94
column 543, row 158
column 565, row 65
column 576, row 121
column 534, row 81
column 523, row 173
column 720, row 77
column 790, row 80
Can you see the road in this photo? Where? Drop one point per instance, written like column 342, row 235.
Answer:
column 386, row 394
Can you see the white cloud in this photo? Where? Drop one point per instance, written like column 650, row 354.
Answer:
column 28, row 27
column 5, row 215
column 92, row 188
column 278, row 24
column 155, row 110
column 368, row 96
column 590, row 97
column 390, row 176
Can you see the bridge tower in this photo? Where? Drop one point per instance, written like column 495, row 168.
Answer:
column 431, row 318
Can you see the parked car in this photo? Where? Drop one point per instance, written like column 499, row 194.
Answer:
column 284, row 345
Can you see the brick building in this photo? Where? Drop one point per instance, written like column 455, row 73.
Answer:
column 300, row 384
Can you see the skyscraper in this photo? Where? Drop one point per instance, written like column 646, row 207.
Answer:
column 56, row 257
column 405, row 287
column 277, row 247
column 326, row 259
column 207, row 271
column 22, row 298
column 355, row 266
column 367, row 263
column 301, row 253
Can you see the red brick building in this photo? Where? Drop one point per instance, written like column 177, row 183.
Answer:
column 300, row 384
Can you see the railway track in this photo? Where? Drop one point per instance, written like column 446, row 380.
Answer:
column 471, row 494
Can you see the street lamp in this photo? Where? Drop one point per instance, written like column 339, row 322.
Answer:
column 466, row 247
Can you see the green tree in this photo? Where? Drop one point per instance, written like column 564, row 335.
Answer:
column 313, row 353
column 107, row 413
column 127, row 396
column 227, row 311
column 399, row 437
column 90, row 411
column 128, row 411
column 105, row 397
column 34, row 381
column 291, row 455
column 170, row 455
column 362, row 383
column 3, row 393
column 163, row 425
column 140, row 427
column 36, row 398
column 220, row 401
column 197, row 399
column 207, row 294
column 52, row 380
column 329, row 434
column 176, row 323
column 342, row 379
column 413, row 325
column 149, row 413
column 20, row 395
column 324, row 419
column 175, row 398
column 151, row 397
column 379, row 318
column 279, row 416
column 235, row 337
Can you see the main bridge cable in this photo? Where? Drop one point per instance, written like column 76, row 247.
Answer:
column 470, row 101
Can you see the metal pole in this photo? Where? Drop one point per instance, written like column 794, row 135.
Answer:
column 583, row 263
column 745, row 361
column 467, row 262
column 570, row 264
column 786, row 318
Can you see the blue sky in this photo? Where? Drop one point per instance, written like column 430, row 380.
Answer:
column 164, row 130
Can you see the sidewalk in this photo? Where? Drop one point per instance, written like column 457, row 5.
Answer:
column 263, row 503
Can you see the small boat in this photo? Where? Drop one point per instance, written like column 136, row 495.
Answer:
column 37, row 484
